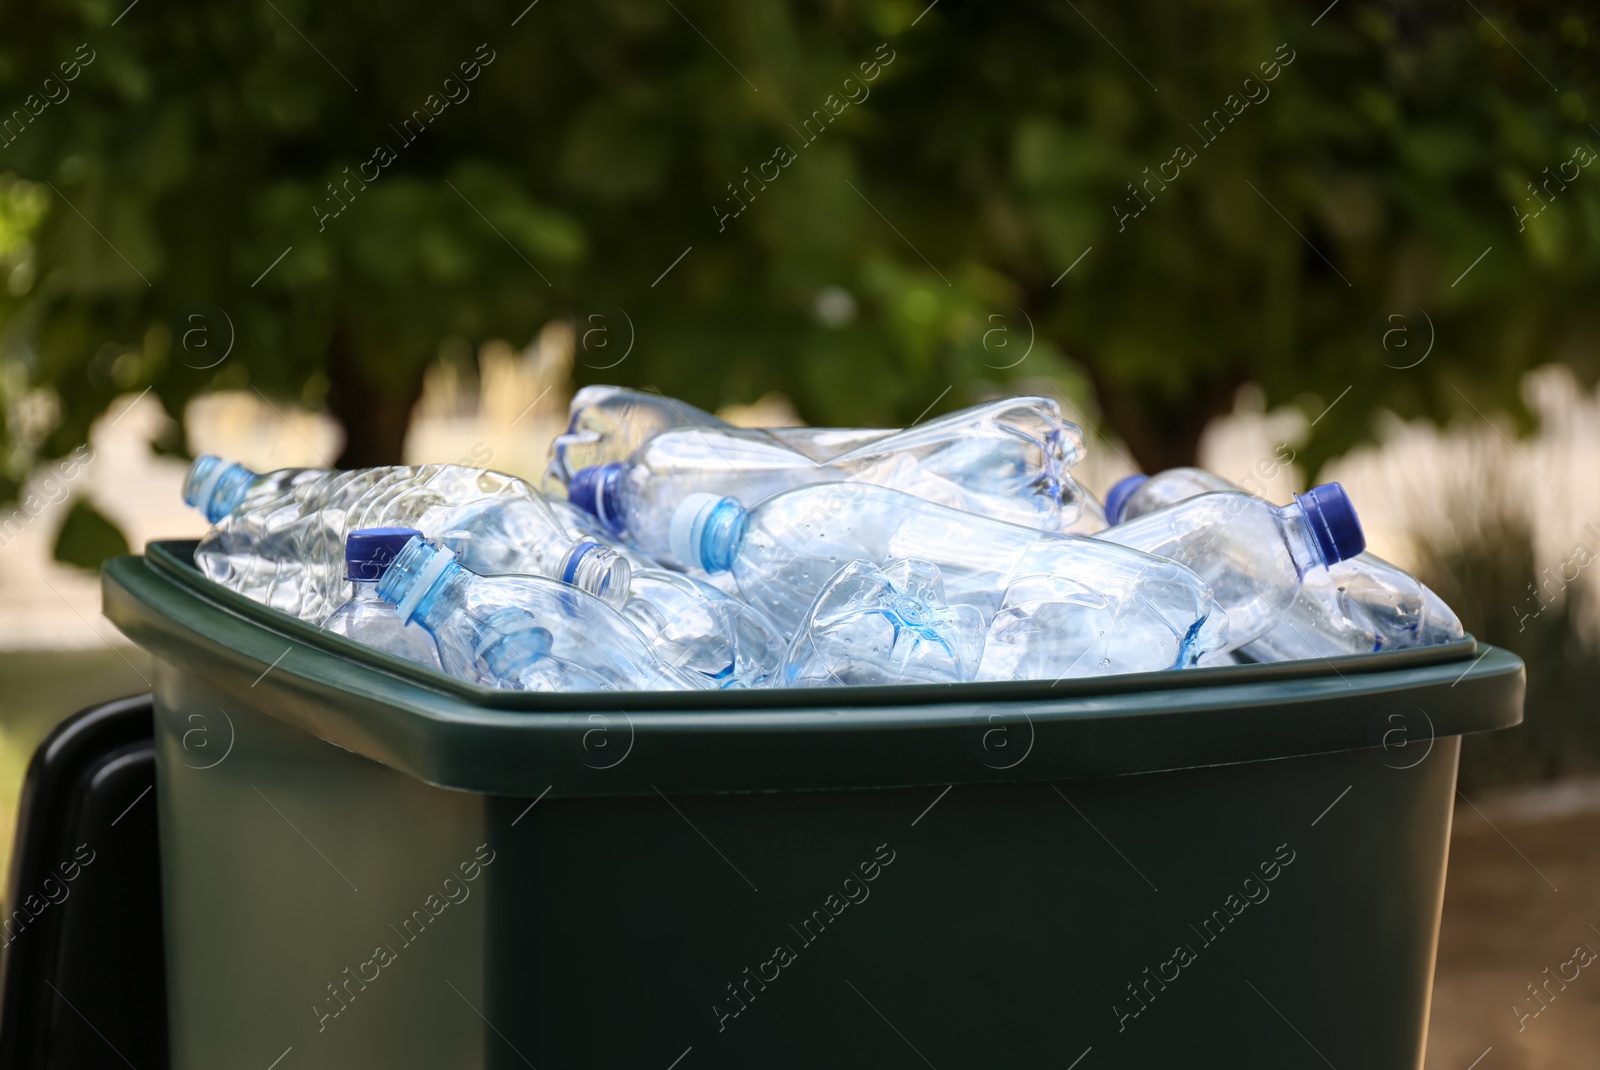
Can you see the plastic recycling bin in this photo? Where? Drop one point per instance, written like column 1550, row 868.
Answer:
column 368, row 864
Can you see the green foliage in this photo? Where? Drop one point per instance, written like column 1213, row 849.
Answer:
column 994, row 145
column 87, row 539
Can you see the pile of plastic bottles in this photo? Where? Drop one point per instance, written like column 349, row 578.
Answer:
column 670, row 550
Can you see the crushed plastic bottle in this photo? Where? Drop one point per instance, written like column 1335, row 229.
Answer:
column 675, row 464
column 581, row 527
column 786, row 550
column 279, row 538
column 513, row 651
column 1358, row 606
column 368, row 619
column 724, row 557
column 607, row 423
column 887, row 625
column 1055, row 627
column 1252, row 553
column 1007, row 460
column 500, row 630
column 694, row 627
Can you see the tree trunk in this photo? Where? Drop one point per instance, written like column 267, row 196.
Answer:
column 375, row 414
column 1162, row 432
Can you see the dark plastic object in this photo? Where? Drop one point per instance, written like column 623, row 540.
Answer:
column 84, row 985
column 1218, row 867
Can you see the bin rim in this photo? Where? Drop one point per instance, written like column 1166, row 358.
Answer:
column 455, row 734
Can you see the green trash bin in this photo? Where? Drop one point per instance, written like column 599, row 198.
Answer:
column 367, row 864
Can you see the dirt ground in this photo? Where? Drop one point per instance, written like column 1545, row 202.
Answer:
column 1521, row 908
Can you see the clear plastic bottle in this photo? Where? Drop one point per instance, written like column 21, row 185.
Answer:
column 786, row 550
column 887, row 625
column 608, row 423
column 1357, row 606
column 675, row 464
column 1052, row 627
column 1133, row 496
column 279, row 538
column 368, row 619
column 696, row 628
column 581, row 527
column 513, row 651
column 1252, row 553
column 500, row 630
column 1007, row 460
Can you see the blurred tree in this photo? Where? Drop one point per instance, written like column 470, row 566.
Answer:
column 882, row 209
column 88, row 538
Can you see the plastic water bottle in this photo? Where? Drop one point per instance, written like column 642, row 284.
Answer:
column 1133, row 496
column 887, row 625
column 500, row 630
column 675, row 464
column 608, row 423
column 1052, row 627
column 1007, row 460
column 513, row 652
column 1357, row 606
column 279, row 538
column 1253, row 554
column 784, row 552
column 368, row 619
column 696, row 628
column 582, row 527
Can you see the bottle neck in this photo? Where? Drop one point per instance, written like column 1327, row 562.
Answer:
column 216, row 487
column 443, row 597
column 599, row 570
column 724, row 531
column 1304, row 548
column 424, row 583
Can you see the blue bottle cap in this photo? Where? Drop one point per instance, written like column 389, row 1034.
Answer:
column 1117, row 497
column 587, row 490
column 1333, row 522
column 369, row 551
